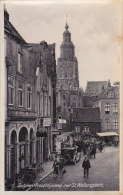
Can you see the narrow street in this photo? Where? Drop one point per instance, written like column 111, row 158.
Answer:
column 104, row 175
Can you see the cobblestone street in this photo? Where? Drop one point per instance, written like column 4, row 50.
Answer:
column 104, row 172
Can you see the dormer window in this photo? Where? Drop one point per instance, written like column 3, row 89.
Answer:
column 110, row 95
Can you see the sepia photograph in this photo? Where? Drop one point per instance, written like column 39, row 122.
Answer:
column 62, row 76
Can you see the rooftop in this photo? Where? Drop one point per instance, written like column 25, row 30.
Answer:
column 86, row 114
column 95, row 87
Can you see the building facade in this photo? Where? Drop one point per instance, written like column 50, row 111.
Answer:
column 86, row 120
column 30, row 101
column 108, row 102
column 94, row 88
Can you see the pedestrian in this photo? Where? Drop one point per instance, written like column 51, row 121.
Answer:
column 94, row 151
column 100, row 146
column 56, row 167
column 60, row 166
column 86, row 165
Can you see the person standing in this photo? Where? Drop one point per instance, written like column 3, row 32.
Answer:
column 86, row 165
column 94, row 151
column 56, row 167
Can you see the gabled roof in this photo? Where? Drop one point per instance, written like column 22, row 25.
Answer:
column 8, row 27
column 95, row 87
column 110, row 93
column 37, row 46
column 86, row 114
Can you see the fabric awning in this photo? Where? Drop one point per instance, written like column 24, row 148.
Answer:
column 104, row 134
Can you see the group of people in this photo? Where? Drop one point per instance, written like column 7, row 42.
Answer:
column 89, row 147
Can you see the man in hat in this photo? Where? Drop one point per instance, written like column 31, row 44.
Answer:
column 86, row 165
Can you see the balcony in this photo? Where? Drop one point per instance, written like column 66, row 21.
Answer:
column 21, row 115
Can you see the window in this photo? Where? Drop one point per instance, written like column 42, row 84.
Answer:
column 61, row 72
column 49, row 107
column 20, row 93
column 110, row 95
column 107, row 123
column 11, row 83
column 86, row 129
column 77, row 129
column 59, row 117
column 41, row 105
column 45, row 106
column 20, row 57
column 29, row 96
column 38, row 103
column 107, row 108
column 115, row 108
column 115, row 123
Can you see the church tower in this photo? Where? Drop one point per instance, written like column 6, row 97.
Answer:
column 67, row 66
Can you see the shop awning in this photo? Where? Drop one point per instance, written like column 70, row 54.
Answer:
column 107, row 134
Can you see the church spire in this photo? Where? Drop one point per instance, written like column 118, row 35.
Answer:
column 66, row 26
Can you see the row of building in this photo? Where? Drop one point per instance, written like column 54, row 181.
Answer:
column 30, row 126
column 44, row 100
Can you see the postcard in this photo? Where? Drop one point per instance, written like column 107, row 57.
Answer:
column 61, row 116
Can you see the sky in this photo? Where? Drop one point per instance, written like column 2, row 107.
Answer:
column 95, row 30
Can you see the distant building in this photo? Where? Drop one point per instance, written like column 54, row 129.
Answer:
column 93, row 88
column 108, row 102
column 68, row 92
column 86, row 120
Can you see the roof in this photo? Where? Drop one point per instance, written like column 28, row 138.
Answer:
column 86, row 114
column 107, row 134
column 110, row 93
column 11, row 29
column 37, row 46
column 95, row 87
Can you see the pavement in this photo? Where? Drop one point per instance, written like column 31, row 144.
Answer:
column 104, row 174
column 46, row 170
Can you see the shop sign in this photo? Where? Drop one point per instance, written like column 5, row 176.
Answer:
column 46, row 122
column 62, row 121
